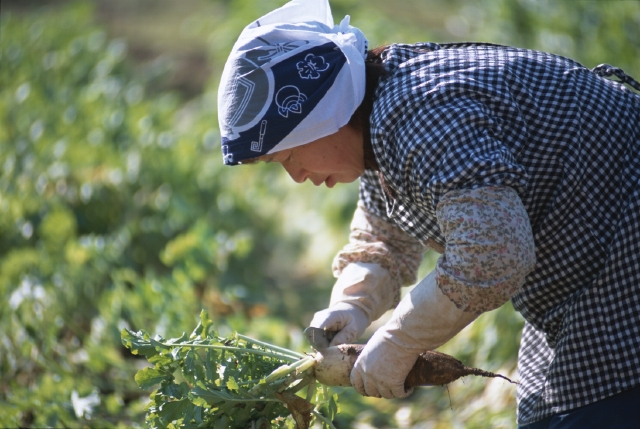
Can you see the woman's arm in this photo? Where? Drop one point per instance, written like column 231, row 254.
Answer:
column 386, row 252
column 370, row 269
column 489, row 247
column 489, row 251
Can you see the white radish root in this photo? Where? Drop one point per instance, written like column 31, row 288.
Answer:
column 334, row 364
column 432, row 368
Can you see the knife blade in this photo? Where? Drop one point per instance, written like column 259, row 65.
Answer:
column 319, row 338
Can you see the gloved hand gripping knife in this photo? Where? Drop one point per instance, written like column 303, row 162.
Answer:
column 378, row 260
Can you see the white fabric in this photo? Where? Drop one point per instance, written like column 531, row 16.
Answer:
column 382, row 367
column 349, row 319
column 360, row 296
column 297, row 11
column 424, row 320
column 300, row 25
column 365, row 285
column 327, row 117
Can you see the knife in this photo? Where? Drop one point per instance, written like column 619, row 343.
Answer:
column 319, row 338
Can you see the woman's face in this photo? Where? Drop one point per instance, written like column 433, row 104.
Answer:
column 337, row 158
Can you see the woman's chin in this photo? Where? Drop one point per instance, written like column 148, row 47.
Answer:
column 331, row 181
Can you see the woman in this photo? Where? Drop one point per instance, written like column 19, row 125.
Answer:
column 521, row 168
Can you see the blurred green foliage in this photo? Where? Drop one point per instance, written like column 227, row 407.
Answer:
column 116, row 211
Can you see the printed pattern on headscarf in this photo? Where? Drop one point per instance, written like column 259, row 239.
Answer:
column 289, row 90
column 292, row 77
column 465, row 116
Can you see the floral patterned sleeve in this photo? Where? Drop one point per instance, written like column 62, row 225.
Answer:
column 489, row 247
column 373, row 240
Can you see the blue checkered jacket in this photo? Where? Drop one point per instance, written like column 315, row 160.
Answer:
column 568, row 142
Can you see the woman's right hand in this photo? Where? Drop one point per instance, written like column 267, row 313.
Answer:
column 348, row 319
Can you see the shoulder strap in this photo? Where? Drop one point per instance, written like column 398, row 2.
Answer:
column 606, row 70
column 457, row 45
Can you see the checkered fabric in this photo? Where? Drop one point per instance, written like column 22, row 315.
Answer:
column 469, row 115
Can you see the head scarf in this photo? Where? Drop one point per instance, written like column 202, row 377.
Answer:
column 291, row 78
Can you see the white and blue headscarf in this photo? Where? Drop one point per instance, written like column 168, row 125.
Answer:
column 291, row 78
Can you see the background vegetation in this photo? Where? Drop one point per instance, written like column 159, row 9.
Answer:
column 115, row 210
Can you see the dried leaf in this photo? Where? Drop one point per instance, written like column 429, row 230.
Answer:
column 299, row 408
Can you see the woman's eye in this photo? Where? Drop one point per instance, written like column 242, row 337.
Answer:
column 287, row 159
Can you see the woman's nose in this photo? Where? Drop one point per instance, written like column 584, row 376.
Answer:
column 298, row 174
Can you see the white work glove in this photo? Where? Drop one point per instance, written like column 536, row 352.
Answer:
column 349, row 319
column 424, row 320
column 360, row 296
column 383, row 366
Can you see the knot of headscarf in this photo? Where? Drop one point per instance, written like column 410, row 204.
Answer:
column 291, row 78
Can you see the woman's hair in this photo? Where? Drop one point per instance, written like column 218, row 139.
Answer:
column 375, row 71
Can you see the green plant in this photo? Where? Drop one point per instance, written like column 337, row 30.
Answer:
column 237, row 382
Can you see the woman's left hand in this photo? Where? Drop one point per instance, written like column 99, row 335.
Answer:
column 424, row 320
column 382, row 367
